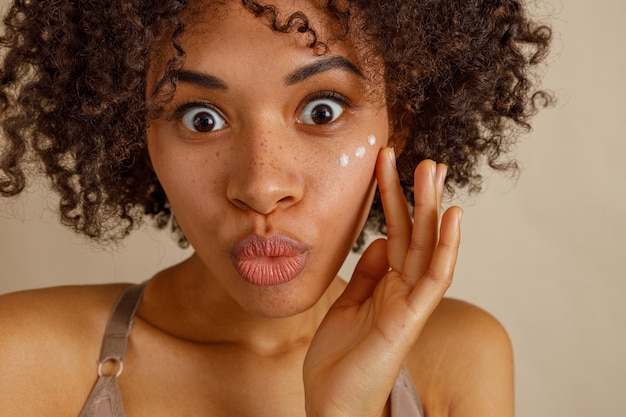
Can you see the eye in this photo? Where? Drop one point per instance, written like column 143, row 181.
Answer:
column 202, row 119
column 321, row 111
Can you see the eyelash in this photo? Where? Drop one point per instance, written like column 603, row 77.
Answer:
column 329, row 95
column 182, row 108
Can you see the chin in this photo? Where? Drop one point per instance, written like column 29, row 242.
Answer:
column 283, row 300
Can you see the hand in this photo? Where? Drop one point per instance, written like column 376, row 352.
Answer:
column 364, row 339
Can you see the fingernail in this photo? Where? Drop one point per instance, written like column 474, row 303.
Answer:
column 433, row 169
column 461, row 215
column 392, row 156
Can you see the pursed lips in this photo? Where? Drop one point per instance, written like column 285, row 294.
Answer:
column 269, row 260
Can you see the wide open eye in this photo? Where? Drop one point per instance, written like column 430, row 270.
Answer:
column 202, row 119
column 321, row 111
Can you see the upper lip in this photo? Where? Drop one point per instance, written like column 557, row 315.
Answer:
column 275, row 245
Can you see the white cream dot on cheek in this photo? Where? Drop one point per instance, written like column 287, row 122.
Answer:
column 371, row 139
column 343, row 160
column 360, row 152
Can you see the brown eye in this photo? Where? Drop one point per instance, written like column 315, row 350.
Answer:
column 321, row 112
column 202, row 120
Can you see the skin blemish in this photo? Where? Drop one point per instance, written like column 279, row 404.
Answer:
column 360, row 152
column 343, row 160
column 371, row 139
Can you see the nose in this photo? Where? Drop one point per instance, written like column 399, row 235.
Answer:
column 264, row 174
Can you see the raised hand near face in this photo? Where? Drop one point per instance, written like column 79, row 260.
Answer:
column 364, row 339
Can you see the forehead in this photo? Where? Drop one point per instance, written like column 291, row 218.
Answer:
column 285, row 29
column 229, row 42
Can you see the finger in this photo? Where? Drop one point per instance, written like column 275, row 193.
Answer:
column 425, row 222
column 440, row 180
column 369, row 270
column 430, row 289
column 397, row 217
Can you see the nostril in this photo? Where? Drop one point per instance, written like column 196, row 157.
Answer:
column 264, row 204
column 240, row 204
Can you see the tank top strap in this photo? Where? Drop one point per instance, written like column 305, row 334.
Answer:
column 105, row 399
column 119, row 325
column 405, row 401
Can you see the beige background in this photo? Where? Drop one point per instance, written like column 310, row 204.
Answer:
column 545, row 254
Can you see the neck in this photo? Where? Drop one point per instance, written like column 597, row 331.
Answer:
column 183, row 303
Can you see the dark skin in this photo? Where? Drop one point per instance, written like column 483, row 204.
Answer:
column 460, row 344
column 206, row 341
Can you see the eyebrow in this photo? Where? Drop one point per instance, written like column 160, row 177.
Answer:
column 327, row 64
column 297, row 76
column 200, row 79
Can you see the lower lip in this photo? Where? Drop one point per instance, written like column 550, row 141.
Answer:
column 268, row 261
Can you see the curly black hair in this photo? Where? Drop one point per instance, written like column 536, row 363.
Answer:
column 459, row 76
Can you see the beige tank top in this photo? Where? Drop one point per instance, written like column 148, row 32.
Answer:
column 105, row 399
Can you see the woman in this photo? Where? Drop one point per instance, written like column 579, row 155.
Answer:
column 265, row 129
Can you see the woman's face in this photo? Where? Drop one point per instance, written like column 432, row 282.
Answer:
column 267, row 155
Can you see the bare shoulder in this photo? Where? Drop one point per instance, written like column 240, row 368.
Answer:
column 48, row 339
column 462, row 364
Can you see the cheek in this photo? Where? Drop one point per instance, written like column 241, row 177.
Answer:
column 358, row 153
column 174, row 167
column 350, row 189
column 351, row 175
